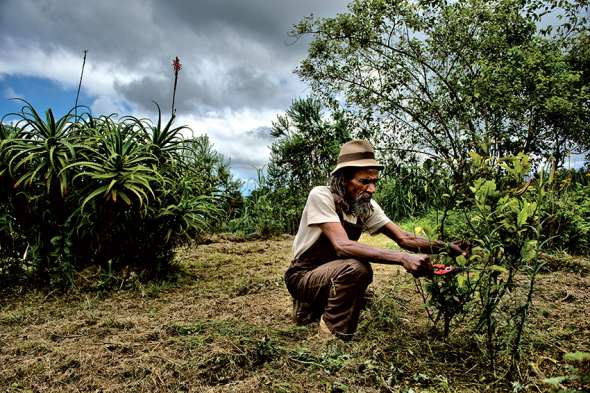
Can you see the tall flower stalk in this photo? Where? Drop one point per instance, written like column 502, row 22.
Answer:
column 176, row 66
column 80, row 83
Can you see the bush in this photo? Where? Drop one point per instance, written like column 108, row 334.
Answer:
column 565, row 213
column 411, row 191
column 268, row 212
column 502, row 221
column 80, row 190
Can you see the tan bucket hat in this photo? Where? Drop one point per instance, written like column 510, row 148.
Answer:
column 357, row 153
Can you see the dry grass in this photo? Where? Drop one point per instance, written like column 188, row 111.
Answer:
column 224, row 326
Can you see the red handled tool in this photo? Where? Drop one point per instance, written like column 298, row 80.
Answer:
column 440, row 270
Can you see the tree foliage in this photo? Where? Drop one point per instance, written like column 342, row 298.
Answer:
column 439, row 78
column 306, row 146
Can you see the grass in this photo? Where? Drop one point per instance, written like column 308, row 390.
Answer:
column 224, row 326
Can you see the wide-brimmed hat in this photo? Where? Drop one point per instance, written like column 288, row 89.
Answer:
column 357, row 154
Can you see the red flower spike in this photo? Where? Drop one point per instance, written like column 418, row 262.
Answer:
column 176, row 66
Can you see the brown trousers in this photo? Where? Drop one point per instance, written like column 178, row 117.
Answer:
column 335, row 288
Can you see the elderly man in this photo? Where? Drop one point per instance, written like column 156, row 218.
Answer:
column 330, row 270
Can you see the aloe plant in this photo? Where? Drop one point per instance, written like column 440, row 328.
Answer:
column 164, row 140
column 116, row 167
column 7, row 136
column 43, row 150
column 84, row 190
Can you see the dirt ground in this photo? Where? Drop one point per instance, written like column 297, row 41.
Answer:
column 224, row 326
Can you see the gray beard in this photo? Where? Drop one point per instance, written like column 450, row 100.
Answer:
column 361, row 207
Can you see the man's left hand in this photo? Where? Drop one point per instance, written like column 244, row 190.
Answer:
column 459, row 248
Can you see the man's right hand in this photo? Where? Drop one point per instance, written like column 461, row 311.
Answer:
column 417, row 264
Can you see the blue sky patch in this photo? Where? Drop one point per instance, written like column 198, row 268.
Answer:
column 41, row 93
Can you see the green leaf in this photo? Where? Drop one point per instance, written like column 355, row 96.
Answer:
column 523, row 215
column 498, row 268
column 461, row 280
column 529, row 251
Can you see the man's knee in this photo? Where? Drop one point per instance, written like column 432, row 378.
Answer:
column 358, row 270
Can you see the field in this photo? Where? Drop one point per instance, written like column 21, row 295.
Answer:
column 224, row 326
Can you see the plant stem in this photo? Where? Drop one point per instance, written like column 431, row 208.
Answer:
column 174, row 91
column 425, row 301
column 80, row 83
column 524, row 313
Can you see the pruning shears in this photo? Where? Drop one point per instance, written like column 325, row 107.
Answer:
column 440, row 269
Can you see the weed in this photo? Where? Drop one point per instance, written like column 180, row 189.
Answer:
column 186, row 330
column 12, row 318
column 578, row 374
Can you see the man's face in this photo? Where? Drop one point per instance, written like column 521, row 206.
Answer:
column 363, row 184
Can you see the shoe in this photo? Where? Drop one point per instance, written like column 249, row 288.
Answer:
column 303, row 313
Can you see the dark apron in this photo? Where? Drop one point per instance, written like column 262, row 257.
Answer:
column 322, row 250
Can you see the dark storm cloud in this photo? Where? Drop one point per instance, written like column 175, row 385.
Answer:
column 236, row 53
column 241, row 87
column 147, row 90
column 261, row 133
column 115, row 31
column 263, row 21
column 257, row 89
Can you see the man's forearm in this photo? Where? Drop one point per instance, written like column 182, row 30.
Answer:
column 353, row 249
column 412, row 242
column 422, row 245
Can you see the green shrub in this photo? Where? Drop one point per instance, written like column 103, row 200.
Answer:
column 80, row 190
column 566, row 219
column 268, row 212
column 501, row 218
column 411, row 191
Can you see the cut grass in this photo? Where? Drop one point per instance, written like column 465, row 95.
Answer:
column 224, row 326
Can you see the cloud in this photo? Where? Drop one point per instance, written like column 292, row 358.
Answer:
column 238, row 88
column 10, row 93
column 115, row 30
column 235, row 53
column 243, row 135
column 237, row 57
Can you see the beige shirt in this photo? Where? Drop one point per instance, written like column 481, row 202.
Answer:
column 319, row 209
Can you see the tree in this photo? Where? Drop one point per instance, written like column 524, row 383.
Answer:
column 303, row 154
column 212, row 169
column 579, row 59
column 306, row 148
column 438, row 78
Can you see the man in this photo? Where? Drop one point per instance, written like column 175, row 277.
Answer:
column 330, row 270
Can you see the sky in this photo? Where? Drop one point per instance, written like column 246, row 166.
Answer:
column 237, row 63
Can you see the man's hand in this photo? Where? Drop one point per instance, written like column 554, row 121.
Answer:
column 459, row 248
column 417, row 264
